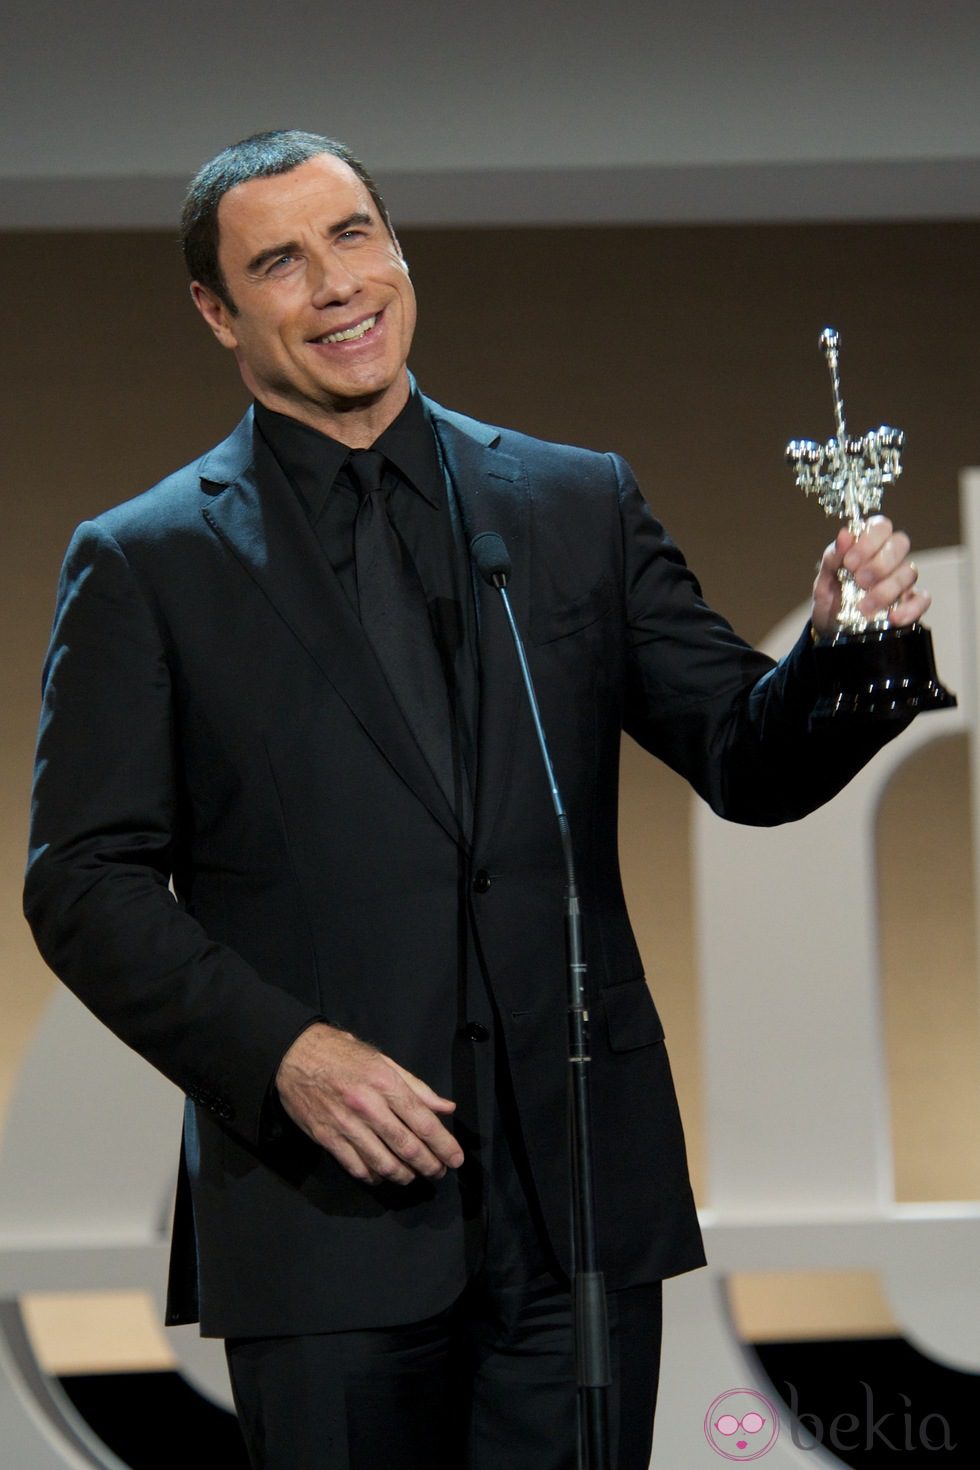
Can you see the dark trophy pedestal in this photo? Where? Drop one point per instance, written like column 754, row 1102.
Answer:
column 881, row 674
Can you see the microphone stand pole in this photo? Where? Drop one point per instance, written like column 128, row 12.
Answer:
column 588, row 1285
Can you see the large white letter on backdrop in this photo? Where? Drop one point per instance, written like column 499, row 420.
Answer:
column 799, row 1152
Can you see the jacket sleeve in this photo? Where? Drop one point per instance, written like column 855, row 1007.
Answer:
column 104, row 810
column 729, row 719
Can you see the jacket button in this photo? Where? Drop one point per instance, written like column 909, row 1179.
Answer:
column 475, row 1031
column 481, row 881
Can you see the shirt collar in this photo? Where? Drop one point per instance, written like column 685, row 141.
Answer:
column 312, row 460
column 409, row 444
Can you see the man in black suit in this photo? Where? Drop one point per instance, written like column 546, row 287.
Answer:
column 358, row 977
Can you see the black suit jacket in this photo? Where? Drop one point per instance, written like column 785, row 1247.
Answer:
column 214, row 716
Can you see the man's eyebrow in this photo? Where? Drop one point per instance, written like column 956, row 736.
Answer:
column 359, row 217
column 290, row 247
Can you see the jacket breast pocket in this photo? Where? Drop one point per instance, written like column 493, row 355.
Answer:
column 631, row 1017
column 561, row 619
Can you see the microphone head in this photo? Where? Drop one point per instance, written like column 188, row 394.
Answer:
column 492, row 558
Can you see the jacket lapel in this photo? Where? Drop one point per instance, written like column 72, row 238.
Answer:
column 253, row 509
column 493, row 495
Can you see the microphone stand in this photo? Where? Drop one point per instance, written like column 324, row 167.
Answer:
column 591, row 1327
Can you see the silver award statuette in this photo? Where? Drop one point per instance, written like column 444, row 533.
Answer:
column 866, row 667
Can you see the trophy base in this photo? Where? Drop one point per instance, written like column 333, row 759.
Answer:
column 881, row 674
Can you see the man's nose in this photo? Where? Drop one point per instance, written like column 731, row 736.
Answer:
column 333, row 280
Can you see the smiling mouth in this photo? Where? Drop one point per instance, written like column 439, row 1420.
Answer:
column 349, row 334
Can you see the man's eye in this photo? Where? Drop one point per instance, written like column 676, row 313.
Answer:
column 281, row 262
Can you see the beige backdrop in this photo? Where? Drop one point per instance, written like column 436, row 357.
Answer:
column 693, row 351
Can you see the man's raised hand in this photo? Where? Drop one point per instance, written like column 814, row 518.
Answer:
column 880, row 563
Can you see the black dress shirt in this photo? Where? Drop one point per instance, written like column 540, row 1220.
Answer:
column 423, row 509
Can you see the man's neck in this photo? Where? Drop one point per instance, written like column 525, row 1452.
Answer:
column 356, row 424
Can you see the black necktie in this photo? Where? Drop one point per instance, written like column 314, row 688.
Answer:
column 395, row 617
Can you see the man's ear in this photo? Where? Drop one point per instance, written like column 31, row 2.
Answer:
column 215, row 312
column 401, row 254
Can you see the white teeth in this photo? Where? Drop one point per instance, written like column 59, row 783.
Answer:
column 352, row 333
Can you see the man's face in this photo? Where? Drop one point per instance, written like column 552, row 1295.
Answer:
column 325, row 308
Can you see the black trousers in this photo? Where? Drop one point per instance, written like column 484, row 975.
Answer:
column 487, row 1384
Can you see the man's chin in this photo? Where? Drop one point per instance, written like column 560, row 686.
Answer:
column 322, row 406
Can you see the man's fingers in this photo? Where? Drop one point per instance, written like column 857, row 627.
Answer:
column 377, row 1150
column 421, row 1155
column 877, row 553
column 415, row 1104
column 911, row 607
column 423, row 1091
column 888, row 588
column 405, row 1127
column 826, row 587
column 365, row 1166
column 395, row 1132
column 426, row 1128
column 418, row 1113
column 881, row 566
column 891, row 579
column 378, row 1120
column 890, row 558
column 877, row 531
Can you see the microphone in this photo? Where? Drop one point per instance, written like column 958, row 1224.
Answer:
column 494, row 565
column 492, row 558
column 493, row 562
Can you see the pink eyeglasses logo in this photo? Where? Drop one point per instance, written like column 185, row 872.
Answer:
column 741, row 1425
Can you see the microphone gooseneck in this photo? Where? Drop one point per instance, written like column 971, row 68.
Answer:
column 492, row 560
